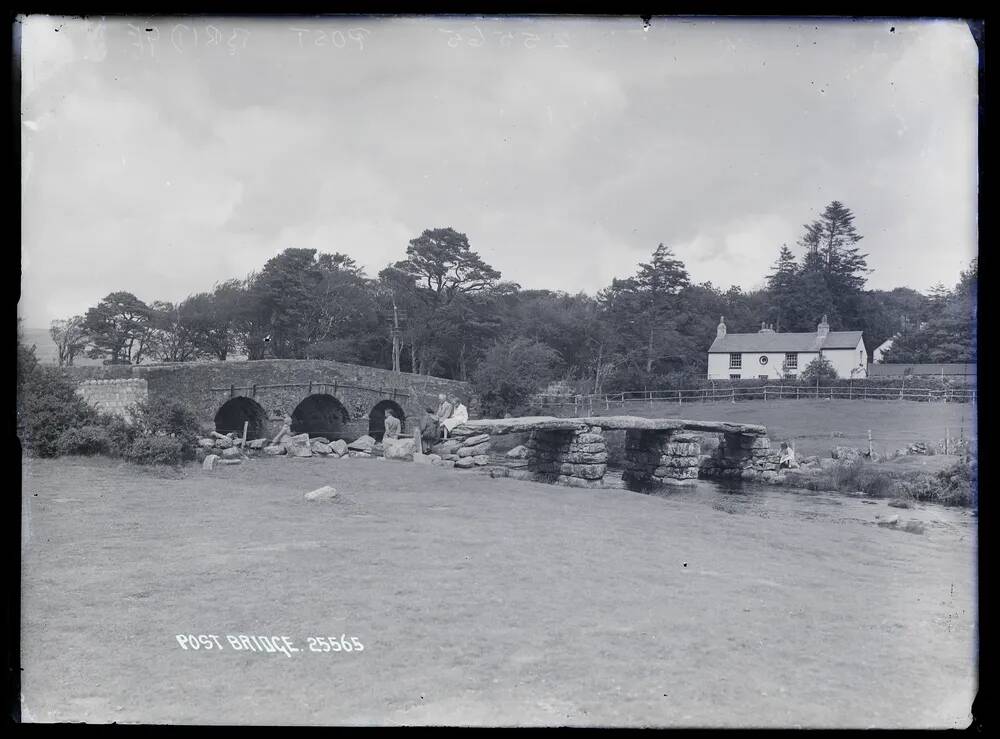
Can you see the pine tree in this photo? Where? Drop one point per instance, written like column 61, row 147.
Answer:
column 781, row 285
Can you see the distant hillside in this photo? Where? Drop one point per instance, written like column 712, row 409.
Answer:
column 46, row 351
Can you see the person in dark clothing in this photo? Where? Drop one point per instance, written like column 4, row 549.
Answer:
column 428, row 429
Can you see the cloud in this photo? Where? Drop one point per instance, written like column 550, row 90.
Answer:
column 567, row 149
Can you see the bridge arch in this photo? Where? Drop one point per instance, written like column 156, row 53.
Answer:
column 321, row 414
column 239, row 410
column 376, row 418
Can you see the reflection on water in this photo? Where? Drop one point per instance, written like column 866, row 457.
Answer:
column 757, row 499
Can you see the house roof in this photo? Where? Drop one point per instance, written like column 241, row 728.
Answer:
column 899, row 370
column 790, row 342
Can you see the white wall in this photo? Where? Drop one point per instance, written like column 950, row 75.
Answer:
column 843, row 361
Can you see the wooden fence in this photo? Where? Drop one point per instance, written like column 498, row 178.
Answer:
column 587, row 403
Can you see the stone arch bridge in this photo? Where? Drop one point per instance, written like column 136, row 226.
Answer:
column 323, row 398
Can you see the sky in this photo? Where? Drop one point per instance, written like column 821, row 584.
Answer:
column 163, row 155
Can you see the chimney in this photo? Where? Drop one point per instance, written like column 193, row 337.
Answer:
column 721, row 331
column 765, row 329
column 823, row 328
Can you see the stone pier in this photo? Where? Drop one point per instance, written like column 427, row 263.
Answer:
column 575, row 457
column 661, row 458
column 742, row 457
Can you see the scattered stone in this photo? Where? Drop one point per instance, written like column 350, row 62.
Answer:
column 319, row 440
column 257, row 443
column 362, row 444
column 298, row 439
column 210, row 461
column 518, row 452
column 474, row 451
column 446, row 464
column 206, row 443
column 481, row 460
column 300, row 451
column 399, row 448
column 231, row 453
column 274, row 450
column 324, row 493
column 465, row 463
column 223, row 442
column 339, row 447
column 900, row 503
column 238, row 460
column 434, row 459
column 321, row 448
column 891, row 521
column 361, row 455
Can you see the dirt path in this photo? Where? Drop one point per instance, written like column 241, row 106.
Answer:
column 485, row 601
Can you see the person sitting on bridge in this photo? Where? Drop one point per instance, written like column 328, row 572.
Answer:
column 458, row 417
column 428, row 430
column 392, row 425
column 786, row 457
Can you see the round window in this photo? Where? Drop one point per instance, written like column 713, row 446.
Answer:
column 763, row 360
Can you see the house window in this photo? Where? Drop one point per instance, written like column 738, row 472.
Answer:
column 734, row 377
column 735, row 360
column 791, row 360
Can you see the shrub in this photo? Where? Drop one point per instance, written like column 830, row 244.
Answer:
column 156, row 450
column 121, row 434
column 86, row 440
column 170, row 418
column 48, row 405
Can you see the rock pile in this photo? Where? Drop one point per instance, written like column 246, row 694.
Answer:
column 463, row 452
column 661, row 457
column 575, row 458
column 744, row 457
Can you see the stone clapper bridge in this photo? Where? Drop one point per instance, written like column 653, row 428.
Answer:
column 658, row 451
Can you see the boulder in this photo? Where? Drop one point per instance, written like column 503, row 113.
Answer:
column 449, row 446
column 210, row 461
column 238, row 460
column 364, row 455
column 481, row 460
column 339, row 447
column 297, row 439
column 465, row 463
column 474, row 451
column 320, row 448
column 300, row 451
column 324, row 493
column 477, row 439
column 274, row 450
column 223, row 442
column 518, row 452
column 206, row 443
column 890, row 521
column 846, row 453
column 399, row 448
column 231, row 453
column 319, row 440
column 362, row 444
column 446, row 464
column 257, row 444
column 434, row 459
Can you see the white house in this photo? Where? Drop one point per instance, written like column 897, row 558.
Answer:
column 878, row 353
column 769, row 355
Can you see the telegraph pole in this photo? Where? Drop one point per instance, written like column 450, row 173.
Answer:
column 396, row 343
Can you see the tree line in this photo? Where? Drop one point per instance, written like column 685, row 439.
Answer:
column 458, row 319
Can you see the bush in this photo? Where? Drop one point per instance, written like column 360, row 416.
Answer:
column 121, row 434
column 156, row 450
column 47, row 406
column 86, row 440
column 169, row 418
column 510, row 372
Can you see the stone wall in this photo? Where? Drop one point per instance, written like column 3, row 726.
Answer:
column 661, row 457
column 279, row 385
column 742, row 457
column 577, row 458
column 114, row 396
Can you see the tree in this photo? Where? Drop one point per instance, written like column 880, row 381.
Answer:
column 511, row 371
column 69, row 337
column 26, row 359
column 215, row 319
column 119, row 328
column 174, row 331
column 819, row 371
column 781, row 285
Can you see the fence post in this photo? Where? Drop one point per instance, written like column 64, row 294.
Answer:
column 678, row 397
column 796, row 392
column 850, row 391
column 869, row 443
column 765, row 391
column 732, row 396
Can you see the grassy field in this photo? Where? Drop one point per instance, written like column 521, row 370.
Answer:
column 817, row 425
column 484, row 601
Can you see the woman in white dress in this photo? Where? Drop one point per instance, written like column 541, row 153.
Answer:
column 458, row 416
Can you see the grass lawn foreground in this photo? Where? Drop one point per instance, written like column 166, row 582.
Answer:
column 484, row 601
